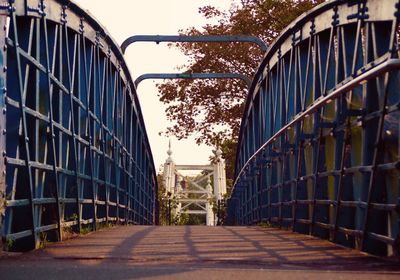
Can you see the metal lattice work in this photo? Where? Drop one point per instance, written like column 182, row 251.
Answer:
column 195, row 195
column 319, row 142
column 76, row 151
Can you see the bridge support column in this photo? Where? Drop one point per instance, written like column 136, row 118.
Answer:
column 169, row 173
column 219, row 182
column 3, row 76
column 210, row 218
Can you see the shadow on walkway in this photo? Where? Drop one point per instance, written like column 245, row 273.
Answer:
column 195, row 252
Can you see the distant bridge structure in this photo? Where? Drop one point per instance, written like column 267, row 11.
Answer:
column 195, row 195
column 319, row 143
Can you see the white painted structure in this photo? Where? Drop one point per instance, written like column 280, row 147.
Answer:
column 219, row 176
column 195, row 195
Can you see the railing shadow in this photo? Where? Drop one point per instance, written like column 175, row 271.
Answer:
column 149, row 251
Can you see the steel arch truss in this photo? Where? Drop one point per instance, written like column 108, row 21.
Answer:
column 73, row 138
column 319, row 143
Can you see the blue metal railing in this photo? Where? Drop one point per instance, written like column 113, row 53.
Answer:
column 319, row 144
column 73, row 139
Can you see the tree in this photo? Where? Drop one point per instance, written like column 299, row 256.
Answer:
column 163, row 202
column 212, row 109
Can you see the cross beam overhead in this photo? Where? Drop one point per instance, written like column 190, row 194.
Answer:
column 192, row 76
column 194, row 39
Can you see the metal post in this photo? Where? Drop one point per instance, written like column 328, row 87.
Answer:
column 3, row 86
column 169, row 211
column 219, row 213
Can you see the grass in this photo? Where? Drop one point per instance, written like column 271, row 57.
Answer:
column 43, row 240
column 86, row 230
column 9, row 243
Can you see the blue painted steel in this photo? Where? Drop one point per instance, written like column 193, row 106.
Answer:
column 319, row 144
column 201, row 38
column 73, row 139
column 192, row 76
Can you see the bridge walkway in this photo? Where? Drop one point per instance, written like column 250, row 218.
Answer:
column 195, row 252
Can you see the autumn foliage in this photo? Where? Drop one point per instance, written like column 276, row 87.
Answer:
column 212, row 109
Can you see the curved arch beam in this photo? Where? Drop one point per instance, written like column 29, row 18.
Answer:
column 192, row 76
column 183, row 38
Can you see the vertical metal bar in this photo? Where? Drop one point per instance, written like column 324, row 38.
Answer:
column 126, row 161
column 345, row 137
column 329, row 82
column 71, row 81
column 3, row 119
column 25, row 139
column 107, row 78
column 299, row 129
column 102, row 79
column 131, row 164
column 93, row 119
column 123, row 153
column 117, row 154
column 262, row 165
column 63, row 146
column 310, row 88
column 378, row 141
column 51, row 126
column 38, row 176
column 136, row 175
column 254, row 167
column 82, row 147
column 88, row 128
column 114, row 132
column 316, row 131
column 279, row 151
column 319, row 132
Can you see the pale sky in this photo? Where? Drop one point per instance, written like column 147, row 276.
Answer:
column 124, row 18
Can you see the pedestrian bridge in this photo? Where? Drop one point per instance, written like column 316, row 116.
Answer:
column 318, row 150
